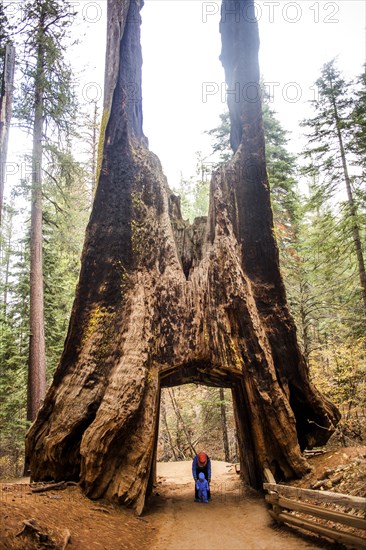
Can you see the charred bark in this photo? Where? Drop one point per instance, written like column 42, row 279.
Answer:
column 160, row 304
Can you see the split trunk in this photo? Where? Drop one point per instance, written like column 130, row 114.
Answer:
column 161, row 303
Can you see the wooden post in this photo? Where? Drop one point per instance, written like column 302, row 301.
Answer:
column 313, row 510
column 330, row 533
column 348, row 501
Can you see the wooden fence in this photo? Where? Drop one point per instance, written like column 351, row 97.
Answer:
column 285, row 499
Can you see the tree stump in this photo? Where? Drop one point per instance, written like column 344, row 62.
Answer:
column 161, row 303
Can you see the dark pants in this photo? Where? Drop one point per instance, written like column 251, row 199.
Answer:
column 198, row 471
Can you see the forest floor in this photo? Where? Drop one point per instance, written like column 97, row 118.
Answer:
column 235, row 519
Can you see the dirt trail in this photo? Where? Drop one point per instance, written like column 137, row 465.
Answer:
column 235, row 519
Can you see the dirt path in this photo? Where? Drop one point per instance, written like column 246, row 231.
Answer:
column 234, row 520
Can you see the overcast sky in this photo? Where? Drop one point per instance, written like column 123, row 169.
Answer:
column 183, row 80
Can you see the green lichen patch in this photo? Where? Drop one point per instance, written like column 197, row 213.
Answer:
column 101, row 322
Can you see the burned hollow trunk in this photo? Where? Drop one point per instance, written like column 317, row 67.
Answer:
column 160, row 303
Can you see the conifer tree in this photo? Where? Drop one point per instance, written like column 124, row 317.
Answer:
column 65, row 213
column 14, row 290
column 358, row 138
column 281, row 165
column 330, row 140
column 44, row 107
column 7, row 67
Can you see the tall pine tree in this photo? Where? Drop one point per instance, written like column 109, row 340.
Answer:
column 7, row 68
column 330, row 139
column 44, row 108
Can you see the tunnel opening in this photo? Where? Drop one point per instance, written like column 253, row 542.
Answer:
column 201, row 410
column 194, row 418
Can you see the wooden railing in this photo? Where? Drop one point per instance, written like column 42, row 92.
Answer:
column 285, row 499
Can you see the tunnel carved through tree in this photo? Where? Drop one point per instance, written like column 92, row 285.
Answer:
column 160, row 302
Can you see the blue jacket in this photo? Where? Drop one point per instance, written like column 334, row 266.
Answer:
column 195, row 467
column 202, row 485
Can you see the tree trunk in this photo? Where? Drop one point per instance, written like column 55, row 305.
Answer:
column 351, row 205
column 180, row 420
column 304, row 317
column 6, row 98
column 6, row 252
column 224, row 425
column 37, row 353
column 165, row 422
column 141, row 322
column 94, row 150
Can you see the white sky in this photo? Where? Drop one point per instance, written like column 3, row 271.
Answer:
column 181, row 47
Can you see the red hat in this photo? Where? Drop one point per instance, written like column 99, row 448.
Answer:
column 202, row 459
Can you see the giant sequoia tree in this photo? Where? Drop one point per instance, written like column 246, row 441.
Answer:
column 161, row 303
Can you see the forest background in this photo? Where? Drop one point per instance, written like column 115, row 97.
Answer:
column 318, row 200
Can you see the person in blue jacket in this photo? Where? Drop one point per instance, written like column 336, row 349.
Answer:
column 201, row 463
column 202, row 487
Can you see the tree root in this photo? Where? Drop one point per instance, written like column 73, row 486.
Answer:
column 67, row 539
column 32, row 530
column 53, row 486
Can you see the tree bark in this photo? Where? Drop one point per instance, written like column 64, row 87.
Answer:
column 37, row 352
column 304, row 317
column 224, row 425
column 141, row 321
column 6, row 98
column 95, row 127
column 165, row 422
